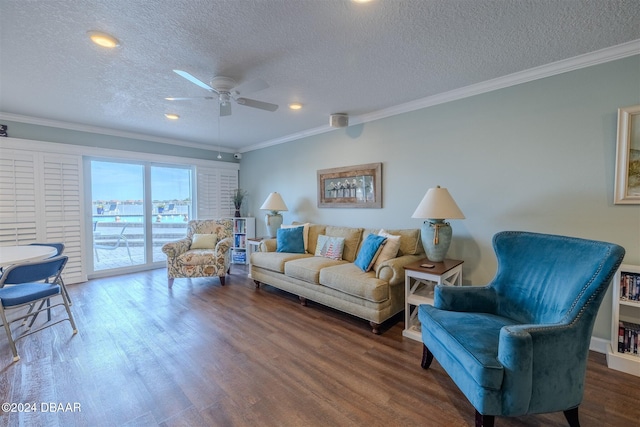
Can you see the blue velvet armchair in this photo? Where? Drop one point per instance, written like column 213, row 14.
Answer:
column 519, row 345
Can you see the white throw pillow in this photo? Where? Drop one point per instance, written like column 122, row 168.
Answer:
column 305, row 233
column 389, row 250
column 204, row 241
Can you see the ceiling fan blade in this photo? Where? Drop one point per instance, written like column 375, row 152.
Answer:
column 251, row 86
column 171, row 98
column 225, row 109
column 257, row 104
column 193, row 80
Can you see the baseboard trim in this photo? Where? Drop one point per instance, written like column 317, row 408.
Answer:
column 599, row 345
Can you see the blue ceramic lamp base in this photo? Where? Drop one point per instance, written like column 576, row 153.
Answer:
column 436, row 238
column 273, row 222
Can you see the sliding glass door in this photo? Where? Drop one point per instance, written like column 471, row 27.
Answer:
column 136, row 208
column 171, row 206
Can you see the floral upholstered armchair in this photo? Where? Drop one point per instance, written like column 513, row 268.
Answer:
column 205, row 252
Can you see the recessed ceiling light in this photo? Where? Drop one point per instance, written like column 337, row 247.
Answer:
column 172, row 116
column 103, row 39
column 295, row 106
column 361, row 1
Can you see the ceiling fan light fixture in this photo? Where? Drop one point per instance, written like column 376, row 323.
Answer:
column 295, row 106
column 172, row 116
column 227, row 90
column 103, row 39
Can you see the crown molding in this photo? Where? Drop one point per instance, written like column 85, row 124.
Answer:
column 109, row 132
column 577, row 62
column 11, row 143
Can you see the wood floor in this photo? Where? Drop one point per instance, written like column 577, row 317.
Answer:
column 205, row 355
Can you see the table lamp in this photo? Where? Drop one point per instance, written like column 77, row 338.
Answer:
column 436, row 206
column 274, row 203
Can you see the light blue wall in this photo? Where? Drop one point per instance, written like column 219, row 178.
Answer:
column 538, row 156
column 88, row 139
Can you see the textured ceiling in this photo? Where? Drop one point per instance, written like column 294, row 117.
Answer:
column 333, row 56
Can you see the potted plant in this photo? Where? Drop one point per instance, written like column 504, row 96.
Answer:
column 238, row 197
column 100, row 209
column 161, row 207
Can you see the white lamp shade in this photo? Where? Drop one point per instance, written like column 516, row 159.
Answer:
column 274, row 203
column 438, row 204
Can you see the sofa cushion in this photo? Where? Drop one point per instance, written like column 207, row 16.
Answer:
column 330, row 247
column 369, row 251
column 389, row 250
column 308, row 269
column 351, row 280
column 410, row 243
column 472, row 337
column 352, row 238
column 274, row 261
column 290, row 240
column 197, row 257
column 315, row 230
column 204, row 241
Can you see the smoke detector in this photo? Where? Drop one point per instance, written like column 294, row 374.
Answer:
column 339, row 120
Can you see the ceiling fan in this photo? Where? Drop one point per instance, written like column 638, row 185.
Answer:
column 226, row 90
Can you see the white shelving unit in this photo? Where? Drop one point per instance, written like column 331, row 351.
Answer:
column 243, row 229
column 418, row 289
column 625, row 309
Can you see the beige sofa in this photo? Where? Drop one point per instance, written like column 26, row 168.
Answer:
column 376, row 295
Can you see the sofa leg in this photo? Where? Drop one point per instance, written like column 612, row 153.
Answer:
column 484, row 420
column 170, row 282
column 427, row 357
column 572, row 417
column 303, row 301
column 222, row 280
column 257, row 284
column 375, row 327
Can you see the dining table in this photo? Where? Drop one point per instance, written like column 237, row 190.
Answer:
column 10, row 255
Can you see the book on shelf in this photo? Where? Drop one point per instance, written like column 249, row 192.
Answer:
column 239, row 257
column 628, row 337
column 239, row 226
column 630, row 286
column 240, row 241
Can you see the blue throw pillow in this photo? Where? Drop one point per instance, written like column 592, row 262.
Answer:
column 290, row 240
column 369, row 251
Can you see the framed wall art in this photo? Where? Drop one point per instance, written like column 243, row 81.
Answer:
column 351, row 187
column 627, row 184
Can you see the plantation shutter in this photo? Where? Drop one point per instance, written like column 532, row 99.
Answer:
column 215, row 192
column 228, row 183
column 17, row 197
column 40, row 201
column 62, row 196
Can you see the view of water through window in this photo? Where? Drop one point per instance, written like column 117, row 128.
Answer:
column 125, row 209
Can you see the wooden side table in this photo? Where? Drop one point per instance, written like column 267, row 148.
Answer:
column 418, row 289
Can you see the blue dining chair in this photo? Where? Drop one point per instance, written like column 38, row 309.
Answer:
column 519, row 345
column 27, row 290
column 59, row 247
